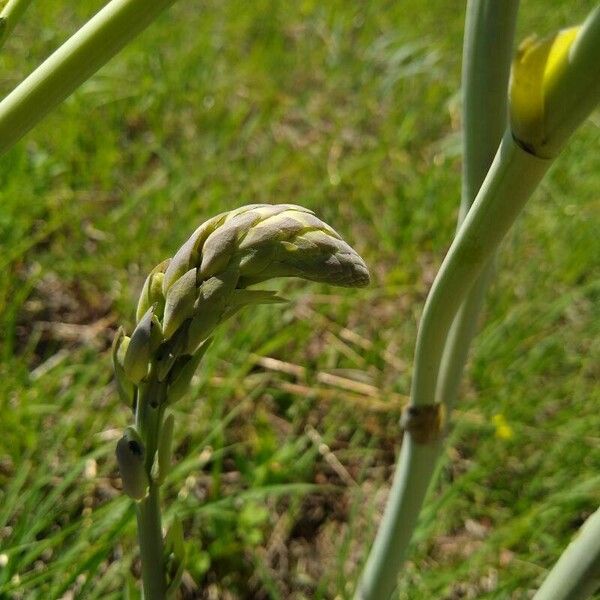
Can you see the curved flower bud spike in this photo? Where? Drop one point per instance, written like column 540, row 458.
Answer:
column 204, row 283
column 182, row 302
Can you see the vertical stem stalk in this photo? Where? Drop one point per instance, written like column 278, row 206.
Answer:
column 414, row 471
column 151, row 544
column 489, row 35
column 487, row 53
column 148, row 419
column 512, row 178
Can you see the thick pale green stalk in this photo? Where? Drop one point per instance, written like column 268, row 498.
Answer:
column 487, row 52
column 73, row 63
column 576, row 575
column 10, row 16
column 463, row 330
column 565, row 84
column 487, row 55
column 414, row 471
column 512, row 178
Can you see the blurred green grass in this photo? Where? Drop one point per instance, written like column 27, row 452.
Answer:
column 353, row 110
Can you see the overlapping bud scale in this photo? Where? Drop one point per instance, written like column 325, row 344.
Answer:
column 186, row 297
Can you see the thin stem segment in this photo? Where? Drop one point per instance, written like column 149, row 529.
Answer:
column 487, row 55
column 487, row 52
column 414, row 471
column 73, row 63
column 151, row 544
column 149, row 414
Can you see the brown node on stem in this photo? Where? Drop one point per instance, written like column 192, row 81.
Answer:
column 424, row 423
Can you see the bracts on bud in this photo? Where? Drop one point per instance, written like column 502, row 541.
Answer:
column 185, row 298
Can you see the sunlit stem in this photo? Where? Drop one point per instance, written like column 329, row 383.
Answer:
column 513, row 176
column 487, row 55
column 10, row 16
column 487, row 52
column 576, row 575
column 568, row 90
column 73, row 63
column 151, row 544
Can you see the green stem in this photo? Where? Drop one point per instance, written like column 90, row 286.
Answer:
column 460, row 336
column 512, row 178
column 149, row 414
column 576, row 575
column 487, row 53
column 10, row 16
column 75, row 61
column 415, row 468
column 489, row 35
column 151, row 544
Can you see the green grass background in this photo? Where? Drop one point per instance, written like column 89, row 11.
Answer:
column 352, row 109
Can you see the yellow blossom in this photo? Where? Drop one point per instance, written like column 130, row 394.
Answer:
column 503, row 429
